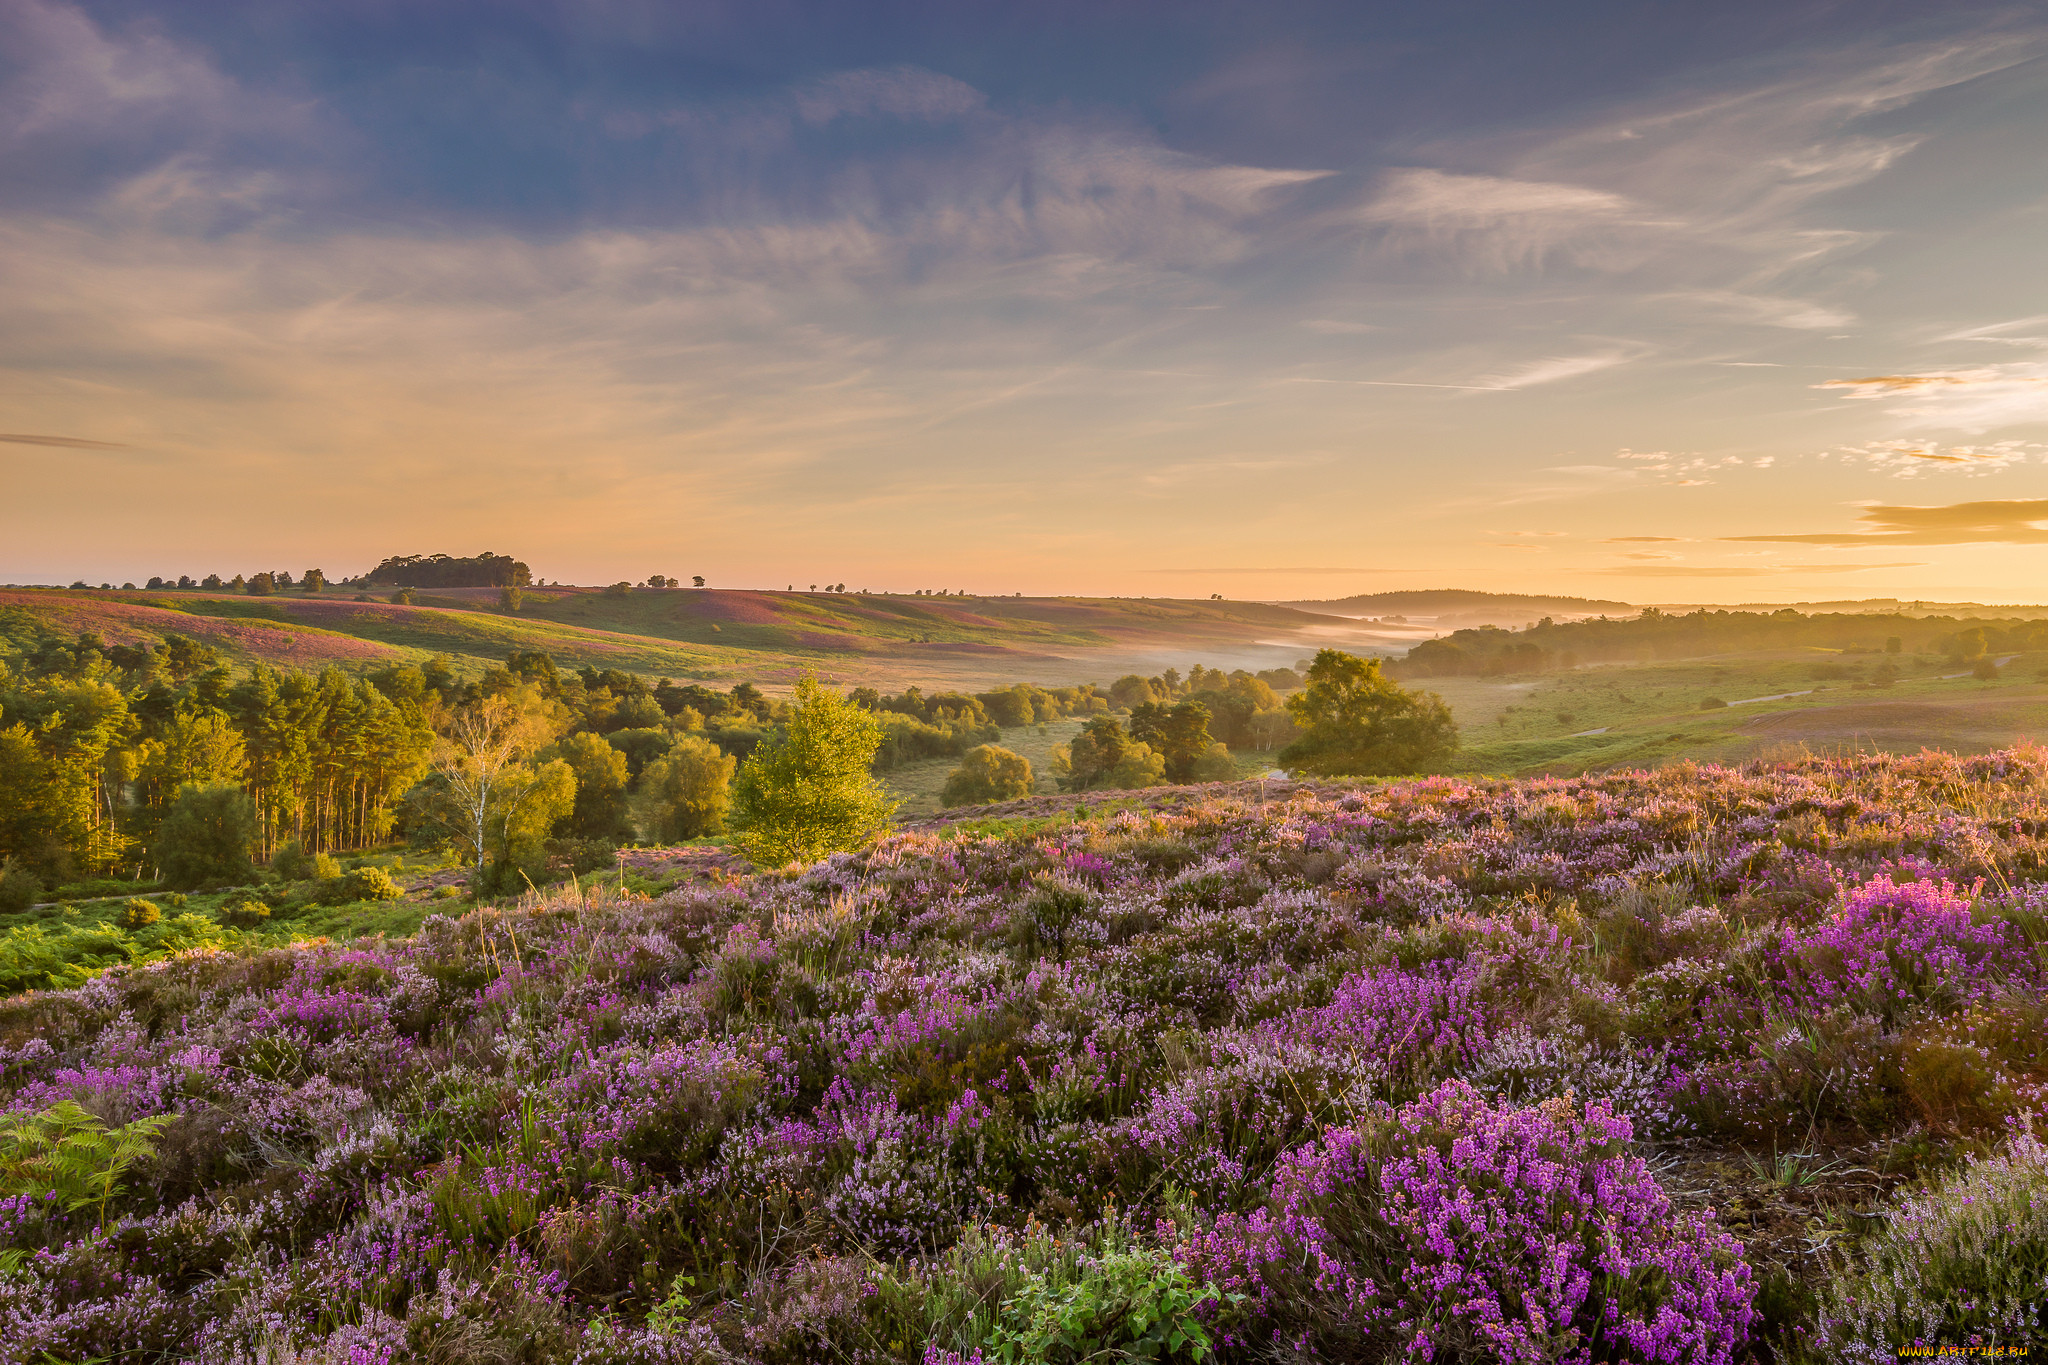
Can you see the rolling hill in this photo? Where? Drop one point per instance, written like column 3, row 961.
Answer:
column 766, row 637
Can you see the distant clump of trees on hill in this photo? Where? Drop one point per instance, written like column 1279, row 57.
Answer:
column 486, row 570
column 1549, row 645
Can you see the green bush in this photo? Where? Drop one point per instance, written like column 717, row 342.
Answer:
column 362, row 884
column 32, row 959
column 1961, row 1263
column 988, row 773
column 186, row 931
column 19, row 888
column 325, row 868
column 66, row 1154
column 139, row 914
column 206, row 836
column 244, row 911
column 1131, row 1304
column 1032, row 1297
column 293, row 863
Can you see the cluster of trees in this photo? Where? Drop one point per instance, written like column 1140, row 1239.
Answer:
column 486, row 570
column 256, row 584
column 1244, row 709
column 1551, row 645
column 1347, row 719
column 113, row 757
column 99, row 742
column 916, row 725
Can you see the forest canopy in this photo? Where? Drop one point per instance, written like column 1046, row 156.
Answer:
column 446, row 571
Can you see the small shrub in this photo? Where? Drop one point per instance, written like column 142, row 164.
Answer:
column 1460, row 1231
column 293, row 863
column 1712, row 704
column 361, row 884
column 19, row 888
column 988, row 773
column 139, row 914
column 69, row 1156
column 206, row 836
column 244, row 911
column 1134, row 1303
column 1962, row 1263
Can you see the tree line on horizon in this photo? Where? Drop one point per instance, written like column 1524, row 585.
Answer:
column 1652, row 635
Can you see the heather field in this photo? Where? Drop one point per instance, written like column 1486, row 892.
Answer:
column 1703, row 1064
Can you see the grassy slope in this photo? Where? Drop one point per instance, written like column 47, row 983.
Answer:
column 1651, row 714
column 762, row 636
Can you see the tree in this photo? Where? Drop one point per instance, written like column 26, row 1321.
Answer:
column 510, row 597
column 697, row 580
column 206, row 836
column 811, row 793
column 1131, row 691
column 619, row 589
column 1360, row 722
column 262, row 585
column 480, row 755
column 313, row 580
column 1180, row 734
column 684, row 794
column 600, row 769
column 1103, row 756
column 988, row 772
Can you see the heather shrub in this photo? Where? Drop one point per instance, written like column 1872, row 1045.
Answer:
column 1524, row 1066
column 1456, row 1229
column 1964, row 1263
column 1974, row 1071
column 1375, row 1056
column 1895, row 947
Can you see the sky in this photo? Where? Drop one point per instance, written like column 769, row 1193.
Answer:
column 1680, row 302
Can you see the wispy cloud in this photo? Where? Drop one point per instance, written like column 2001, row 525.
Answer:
column 1263, row 570
column 63, row 442
column 1555, row 369
column 1976, row 399
column 1741, row 570
column 2008, row 522
column 1913, row 459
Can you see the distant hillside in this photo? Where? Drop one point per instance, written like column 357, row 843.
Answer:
column 1466, row 607
column 765, row 637
column 1873, row 606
